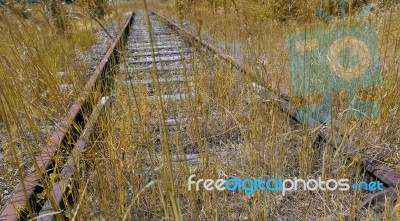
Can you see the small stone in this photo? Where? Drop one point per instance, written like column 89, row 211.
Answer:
column 61, row 74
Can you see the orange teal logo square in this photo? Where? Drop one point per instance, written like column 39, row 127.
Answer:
column 335, row 60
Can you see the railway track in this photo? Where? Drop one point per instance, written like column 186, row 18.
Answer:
column 161, row 63
column 167, row 54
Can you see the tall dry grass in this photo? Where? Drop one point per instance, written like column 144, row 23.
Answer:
column 234, row 131
column 40, row 78
column 128, row 173
column 261, row 42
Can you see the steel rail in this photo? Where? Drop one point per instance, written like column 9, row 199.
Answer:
column 24, row 203
column 373, row 168
column 62, row 191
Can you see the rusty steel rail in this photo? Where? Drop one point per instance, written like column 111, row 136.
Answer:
column 373, row 168
column 71, row 136
column 63, row 190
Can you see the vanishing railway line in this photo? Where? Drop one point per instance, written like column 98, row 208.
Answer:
column 162, row 62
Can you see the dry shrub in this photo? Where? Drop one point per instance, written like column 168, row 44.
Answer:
column 58, row 12
column 334, row 7
column 182, row 7
column 96, row 8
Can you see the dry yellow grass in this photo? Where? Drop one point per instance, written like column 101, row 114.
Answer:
column 268, row 145
column 37, row 70
column 237, row 132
